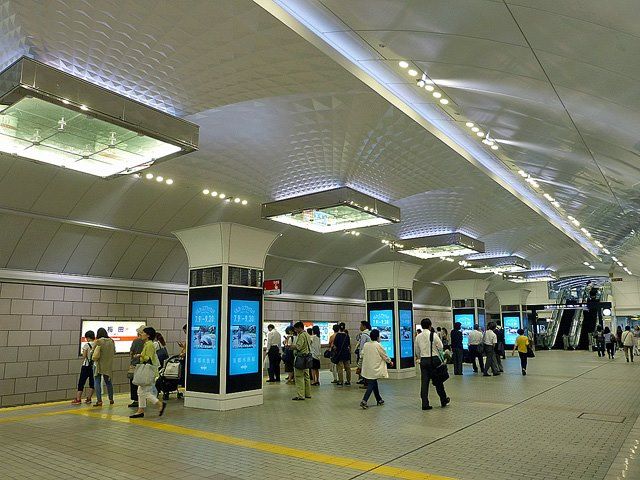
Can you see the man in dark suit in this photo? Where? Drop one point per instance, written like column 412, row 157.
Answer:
column 500, row 345
column 457, row 348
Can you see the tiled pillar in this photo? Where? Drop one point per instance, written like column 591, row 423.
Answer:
column 467, row 304
column 389, row 295
column 224, row 349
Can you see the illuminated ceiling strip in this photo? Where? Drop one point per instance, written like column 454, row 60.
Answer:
column 324, row 30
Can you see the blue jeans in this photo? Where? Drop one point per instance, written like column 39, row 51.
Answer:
column 98, row 383
column 372, row 386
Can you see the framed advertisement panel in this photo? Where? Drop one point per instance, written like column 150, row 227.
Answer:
column 381, row 318
column 203, row 346
column 405, row 314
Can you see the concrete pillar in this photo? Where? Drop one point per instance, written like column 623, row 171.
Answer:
column 389, row 295
column 467, row 304
column 513, row 312
column 224, row 345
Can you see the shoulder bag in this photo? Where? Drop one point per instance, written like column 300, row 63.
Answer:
column 144, row 375
column 530, row 353
column 304, row 361
column 440, row 373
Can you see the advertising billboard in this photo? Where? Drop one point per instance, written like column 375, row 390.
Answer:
column 406, row 333
column 122, row 332
column 204, row 335
column 382, row 320
column 466, row 321
column 511, row 324
column 244, row 325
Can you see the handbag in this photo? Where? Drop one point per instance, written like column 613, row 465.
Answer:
column 144, row 375
column 327, row 353
column 440, row 373
column 304, row 361
column 530, row 353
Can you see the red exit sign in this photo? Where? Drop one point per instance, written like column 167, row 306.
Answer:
column 272, row 287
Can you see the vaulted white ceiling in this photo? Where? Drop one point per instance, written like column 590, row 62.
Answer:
column 278, row 117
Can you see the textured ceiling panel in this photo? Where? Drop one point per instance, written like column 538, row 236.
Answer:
column 32, row 244
column 60, row 248
column 86, row 251
column 12, row 228
column 153, row 259
column 133, row 256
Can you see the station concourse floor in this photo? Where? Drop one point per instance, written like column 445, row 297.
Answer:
column 574, row 416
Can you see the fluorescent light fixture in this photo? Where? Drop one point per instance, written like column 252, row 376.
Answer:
column 586, row 264
column 531, row 276
column 620, row 264
column 55, row 118
column 606, row 251
column 438, row 246
column 523, row 174
column 592, row 267
column 615, row 259
column 512, row 263
column 332, row 211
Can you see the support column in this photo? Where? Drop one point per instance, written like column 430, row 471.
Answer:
column 513, row 312
column 224, row 327
column 467, row 304
column 389, row 295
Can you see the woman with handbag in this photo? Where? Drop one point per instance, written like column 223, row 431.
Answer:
column 146, row 374
column 102, row 356
column 428, row 350
column 302, row 363
column 374, row 361
column 523, row 347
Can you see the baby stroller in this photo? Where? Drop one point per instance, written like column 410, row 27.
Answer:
column 170, row 377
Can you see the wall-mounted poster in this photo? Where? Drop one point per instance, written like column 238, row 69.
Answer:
column 122, row 332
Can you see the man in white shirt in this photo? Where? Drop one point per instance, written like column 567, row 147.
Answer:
column 490, row 342
column 475, row 339
column 429, row 360
column 274, row 340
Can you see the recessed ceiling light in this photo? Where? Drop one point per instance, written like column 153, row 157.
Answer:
column 429, row 88
column 159, row 178
column 236, row 200
column 169, row 181
column 586, row 263
column 413, row 72
column 227, row 200
column 149, row 176
column 494, row 147
column 522, row 173
column 66, row 102
column 444, row 101
column 403, row 64
column 614, row 259
column 222, row 195
column 84, row 107
column 606, row 251
column 214, row 194
column 480, row 134
column 619, row 263
column 205, row 191
column 421, row 83
column 556, row 204
column 470, row 124
column 592, row 267
column 437, row 94
column 475, row 129
column 244, row 202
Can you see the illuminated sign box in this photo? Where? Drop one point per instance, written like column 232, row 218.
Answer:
column 332, row 211
column 55, row 118
column 272, row 287
column 123, row 332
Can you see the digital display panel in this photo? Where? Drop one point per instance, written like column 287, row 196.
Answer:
column 382, row 320
column 204, row 335
column 466, row 321
column 325, row 330
column 244, row 345
column 406, row 333
column 511, row 325
column 123, row 333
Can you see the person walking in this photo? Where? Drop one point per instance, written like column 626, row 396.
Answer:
column 522, row 342
column 610, row 342
column 134, row 351
column 342, row 355
column 374, row 360
column 619, row 337
column 332, row 366
column 316, row 346
column 86, row 370
column 302, row 346
column 627, row 343
column 102, row 356
column 457, row 348
column 599, row 341
column 274, row 340
column 476, row 348
column 363, row 338
column 490, row 340
column 427, row 348
column 146, row 392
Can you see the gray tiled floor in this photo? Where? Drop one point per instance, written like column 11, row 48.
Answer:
column 499, row 428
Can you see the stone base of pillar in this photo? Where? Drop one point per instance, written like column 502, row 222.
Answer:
column 404, row 373
column 212, row 401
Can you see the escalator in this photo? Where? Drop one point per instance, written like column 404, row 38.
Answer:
column 567, row 321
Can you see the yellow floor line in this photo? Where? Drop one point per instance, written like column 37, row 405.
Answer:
column 271, row 448
column 50, row 404
column 19, row 418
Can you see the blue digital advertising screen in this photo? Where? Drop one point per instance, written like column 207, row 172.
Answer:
column 244, row 342
column 203, row 340
column 511, row 325
column 382, row 320
column 466, row 321
column 406, row 333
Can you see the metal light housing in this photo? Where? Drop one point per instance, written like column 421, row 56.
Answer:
column 512, row 263
column 52, row 117
column 331, row 211
column 438, row 246
column 531, row 276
